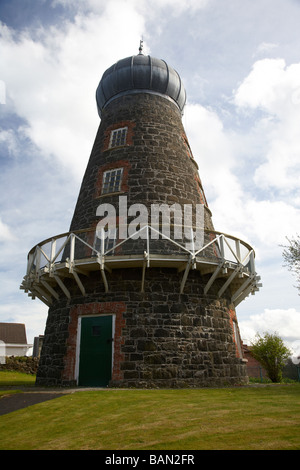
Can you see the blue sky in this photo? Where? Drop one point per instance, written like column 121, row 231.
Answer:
column 240, row 64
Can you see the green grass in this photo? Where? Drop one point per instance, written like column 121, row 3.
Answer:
column 8, row 392
column 14, row 378
column 245, row 418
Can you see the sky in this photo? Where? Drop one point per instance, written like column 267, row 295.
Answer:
column 240, row 65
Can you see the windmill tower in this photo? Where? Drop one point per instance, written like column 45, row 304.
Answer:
column 142, row 290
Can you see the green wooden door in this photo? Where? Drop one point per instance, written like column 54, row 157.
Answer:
column 95, row 358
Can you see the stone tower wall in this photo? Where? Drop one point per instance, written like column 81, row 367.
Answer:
column 162, row 338
column 157, row 161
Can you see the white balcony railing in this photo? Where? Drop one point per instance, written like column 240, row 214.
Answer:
column 78, row 253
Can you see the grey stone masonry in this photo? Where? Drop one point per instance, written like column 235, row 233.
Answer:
column 167, row 340
column 157, row 159
column 162, row 338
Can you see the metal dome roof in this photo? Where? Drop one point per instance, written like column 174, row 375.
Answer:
column 140, row 74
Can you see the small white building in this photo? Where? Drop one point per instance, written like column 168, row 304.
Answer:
column 13, row 339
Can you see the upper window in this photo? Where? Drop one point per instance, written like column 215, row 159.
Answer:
column 118, row 137
column 118, row 134
column 112, row 181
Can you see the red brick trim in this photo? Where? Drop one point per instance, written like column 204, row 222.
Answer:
column 233, row 319
column 95, row 308
column 187, row 146
column 111, row 166
column 200, row 191
column 118, row 125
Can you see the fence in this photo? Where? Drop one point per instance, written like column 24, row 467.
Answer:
column 290, row 371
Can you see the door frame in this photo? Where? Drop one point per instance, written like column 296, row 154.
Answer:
column 79, row 338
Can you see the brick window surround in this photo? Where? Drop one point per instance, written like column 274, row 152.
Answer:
column 124, row 164
column 118, row 137
column 201, row 191
column 235, row 334
column 112, row 180
column 118, row 125
column 187, row 145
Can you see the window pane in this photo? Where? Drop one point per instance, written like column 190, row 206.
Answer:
column 118, row 137
column 112, row 181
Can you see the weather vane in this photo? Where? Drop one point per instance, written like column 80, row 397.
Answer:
column 141, row 47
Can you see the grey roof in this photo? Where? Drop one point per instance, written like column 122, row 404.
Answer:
column 140, row 73
column 14, row 333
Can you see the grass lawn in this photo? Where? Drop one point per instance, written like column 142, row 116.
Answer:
column 246, row 418
column 10, row 377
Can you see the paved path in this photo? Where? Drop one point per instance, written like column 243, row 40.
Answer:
column 16, row 401
column 31, row 396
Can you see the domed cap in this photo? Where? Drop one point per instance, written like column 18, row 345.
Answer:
column 140, row 74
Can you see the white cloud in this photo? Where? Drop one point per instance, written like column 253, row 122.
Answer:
column 270, row 85
column 56, row 93
column 271, row 220
column 265, row 48
column 175, row 6
column 264, row 221
column 286, row 323
column 274, row 88
column 8, row 137
column 212, row 148
column 234, row 180
column 6, row 233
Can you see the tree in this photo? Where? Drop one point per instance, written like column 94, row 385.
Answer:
column 271, row 352
column 291, row 256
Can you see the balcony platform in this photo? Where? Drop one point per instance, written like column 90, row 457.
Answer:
column 76, row 254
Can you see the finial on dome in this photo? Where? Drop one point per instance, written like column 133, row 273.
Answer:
column 141, row 47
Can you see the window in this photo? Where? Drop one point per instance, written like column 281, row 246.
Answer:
column 118, row 137
column 109, row 241
column 111, row 182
